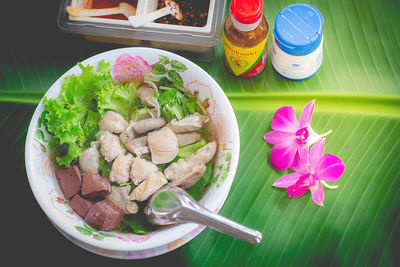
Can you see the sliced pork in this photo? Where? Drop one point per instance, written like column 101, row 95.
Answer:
column 146, row 94
column 140, row 169
column 120, row 197
column 163, row 145
column 188, row 138
column 194, row 172
column 186, row 173
column 205, row 154
column 153, row 182
column 89, row 161
column 190, row 123
column 120, row 169
column 128, row 134
column 110, row 146
column 113, row 122
column 148, row 125
column 138, row 146
column 177, row 170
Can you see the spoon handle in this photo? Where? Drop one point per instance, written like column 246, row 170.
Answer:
column 140, row 20
column 224, row 225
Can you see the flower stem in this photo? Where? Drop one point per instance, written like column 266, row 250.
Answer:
column 329, row 186
column 325, row 134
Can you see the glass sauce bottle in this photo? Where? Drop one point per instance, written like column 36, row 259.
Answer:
column 245, row 38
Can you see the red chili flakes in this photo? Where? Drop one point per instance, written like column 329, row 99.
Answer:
column 195, row 13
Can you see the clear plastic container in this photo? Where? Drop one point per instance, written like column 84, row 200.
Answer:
column 197, row 43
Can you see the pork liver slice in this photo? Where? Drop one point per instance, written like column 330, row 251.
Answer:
column 70, row 180
column 104, row 216
column 94, row 185
column 80, row 205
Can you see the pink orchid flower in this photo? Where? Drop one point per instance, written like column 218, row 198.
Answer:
column 130, row 69
column 289, row 136
column 311, row 170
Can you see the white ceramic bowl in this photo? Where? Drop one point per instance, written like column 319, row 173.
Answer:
column 41, row 170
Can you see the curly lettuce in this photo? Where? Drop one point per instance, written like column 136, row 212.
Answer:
column 72, row 119
column 120, row 98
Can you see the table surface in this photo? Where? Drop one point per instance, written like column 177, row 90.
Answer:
column 357, row 92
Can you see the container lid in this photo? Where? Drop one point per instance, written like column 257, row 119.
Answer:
column 157, row 32
column 298, row 29
column 246, row 11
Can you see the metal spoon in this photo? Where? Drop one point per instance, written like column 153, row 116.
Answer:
column 170, row 8
column 172, row 205
column 124, row 8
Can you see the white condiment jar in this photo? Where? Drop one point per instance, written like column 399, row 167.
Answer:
column 297, row 47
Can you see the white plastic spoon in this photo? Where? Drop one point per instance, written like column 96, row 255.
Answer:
column 124, row 8
column 170, row 8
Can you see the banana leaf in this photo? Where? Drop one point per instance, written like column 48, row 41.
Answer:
column 357, row 92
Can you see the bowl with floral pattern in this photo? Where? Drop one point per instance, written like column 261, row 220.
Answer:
column 41, row 166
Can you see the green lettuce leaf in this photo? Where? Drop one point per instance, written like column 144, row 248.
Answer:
column 72, row 119
column 186, row 151
column 64, row 123
column 121, row 98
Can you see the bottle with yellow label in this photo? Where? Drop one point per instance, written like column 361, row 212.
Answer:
column 245, row 38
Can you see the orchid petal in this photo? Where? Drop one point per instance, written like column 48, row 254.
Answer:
column 306, row 115
column 313, row 137
column 279, row 137
column 312, row 181
column 297, row 191
column 301, row 159
column 285, row 120
column 282, row 155
column 330, row 168
column 318, row 194
column 299, row 188
column 287, row 180
column 316, row 152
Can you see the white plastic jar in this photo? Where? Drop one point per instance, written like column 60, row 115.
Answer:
column 297, row 48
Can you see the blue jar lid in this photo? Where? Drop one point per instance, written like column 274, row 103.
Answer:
column 298, row 29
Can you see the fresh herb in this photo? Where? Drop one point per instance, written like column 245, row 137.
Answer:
column 170, row 68
column 104, row 167
column 140, row 111
column 163, row 60
column 186, row 151
column 175, row 104
column 158, row 69
column 175, row 78
column 136, row 223
column 178, row 66
column 205, row 181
